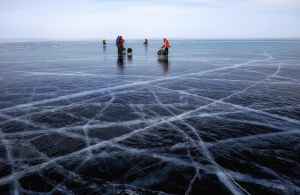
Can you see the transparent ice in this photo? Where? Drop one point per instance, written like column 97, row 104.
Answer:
column 220, row 117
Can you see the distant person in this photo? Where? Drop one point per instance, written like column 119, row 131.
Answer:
column 166, row 46
column 104, row 42
column 120, row 43
column 165, row 64
column 146, row 42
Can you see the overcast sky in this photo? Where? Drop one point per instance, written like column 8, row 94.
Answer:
column 85, row 19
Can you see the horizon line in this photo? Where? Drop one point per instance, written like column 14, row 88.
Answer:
column 153, row 38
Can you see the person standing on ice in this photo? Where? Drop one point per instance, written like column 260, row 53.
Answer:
column 146, row 42
column 120, row 43
column 166, row 46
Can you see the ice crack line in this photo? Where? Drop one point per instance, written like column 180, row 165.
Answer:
column 231, row 185
column 14, row 186
column 119, row 87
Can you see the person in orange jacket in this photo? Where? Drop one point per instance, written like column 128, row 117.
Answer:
column 166, row 46
column 120, row 42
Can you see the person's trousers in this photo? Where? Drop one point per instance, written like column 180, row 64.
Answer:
column 120, row 51
column 166, row 51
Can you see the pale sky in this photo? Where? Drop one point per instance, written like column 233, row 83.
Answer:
column 89, row 19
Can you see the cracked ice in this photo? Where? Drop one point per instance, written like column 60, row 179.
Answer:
column 215, row 118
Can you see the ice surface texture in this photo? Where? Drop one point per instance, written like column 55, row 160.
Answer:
column 220, row 117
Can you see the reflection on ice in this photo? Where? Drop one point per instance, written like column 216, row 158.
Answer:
column 121, row 64
column 165, row 64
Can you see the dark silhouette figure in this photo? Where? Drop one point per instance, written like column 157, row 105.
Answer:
column 146, row 42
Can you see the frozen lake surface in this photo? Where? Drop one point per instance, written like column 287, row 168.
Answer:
column 220, row 117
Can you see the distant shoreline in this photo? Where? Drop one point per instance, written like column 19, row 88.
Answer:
column 153, row 39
